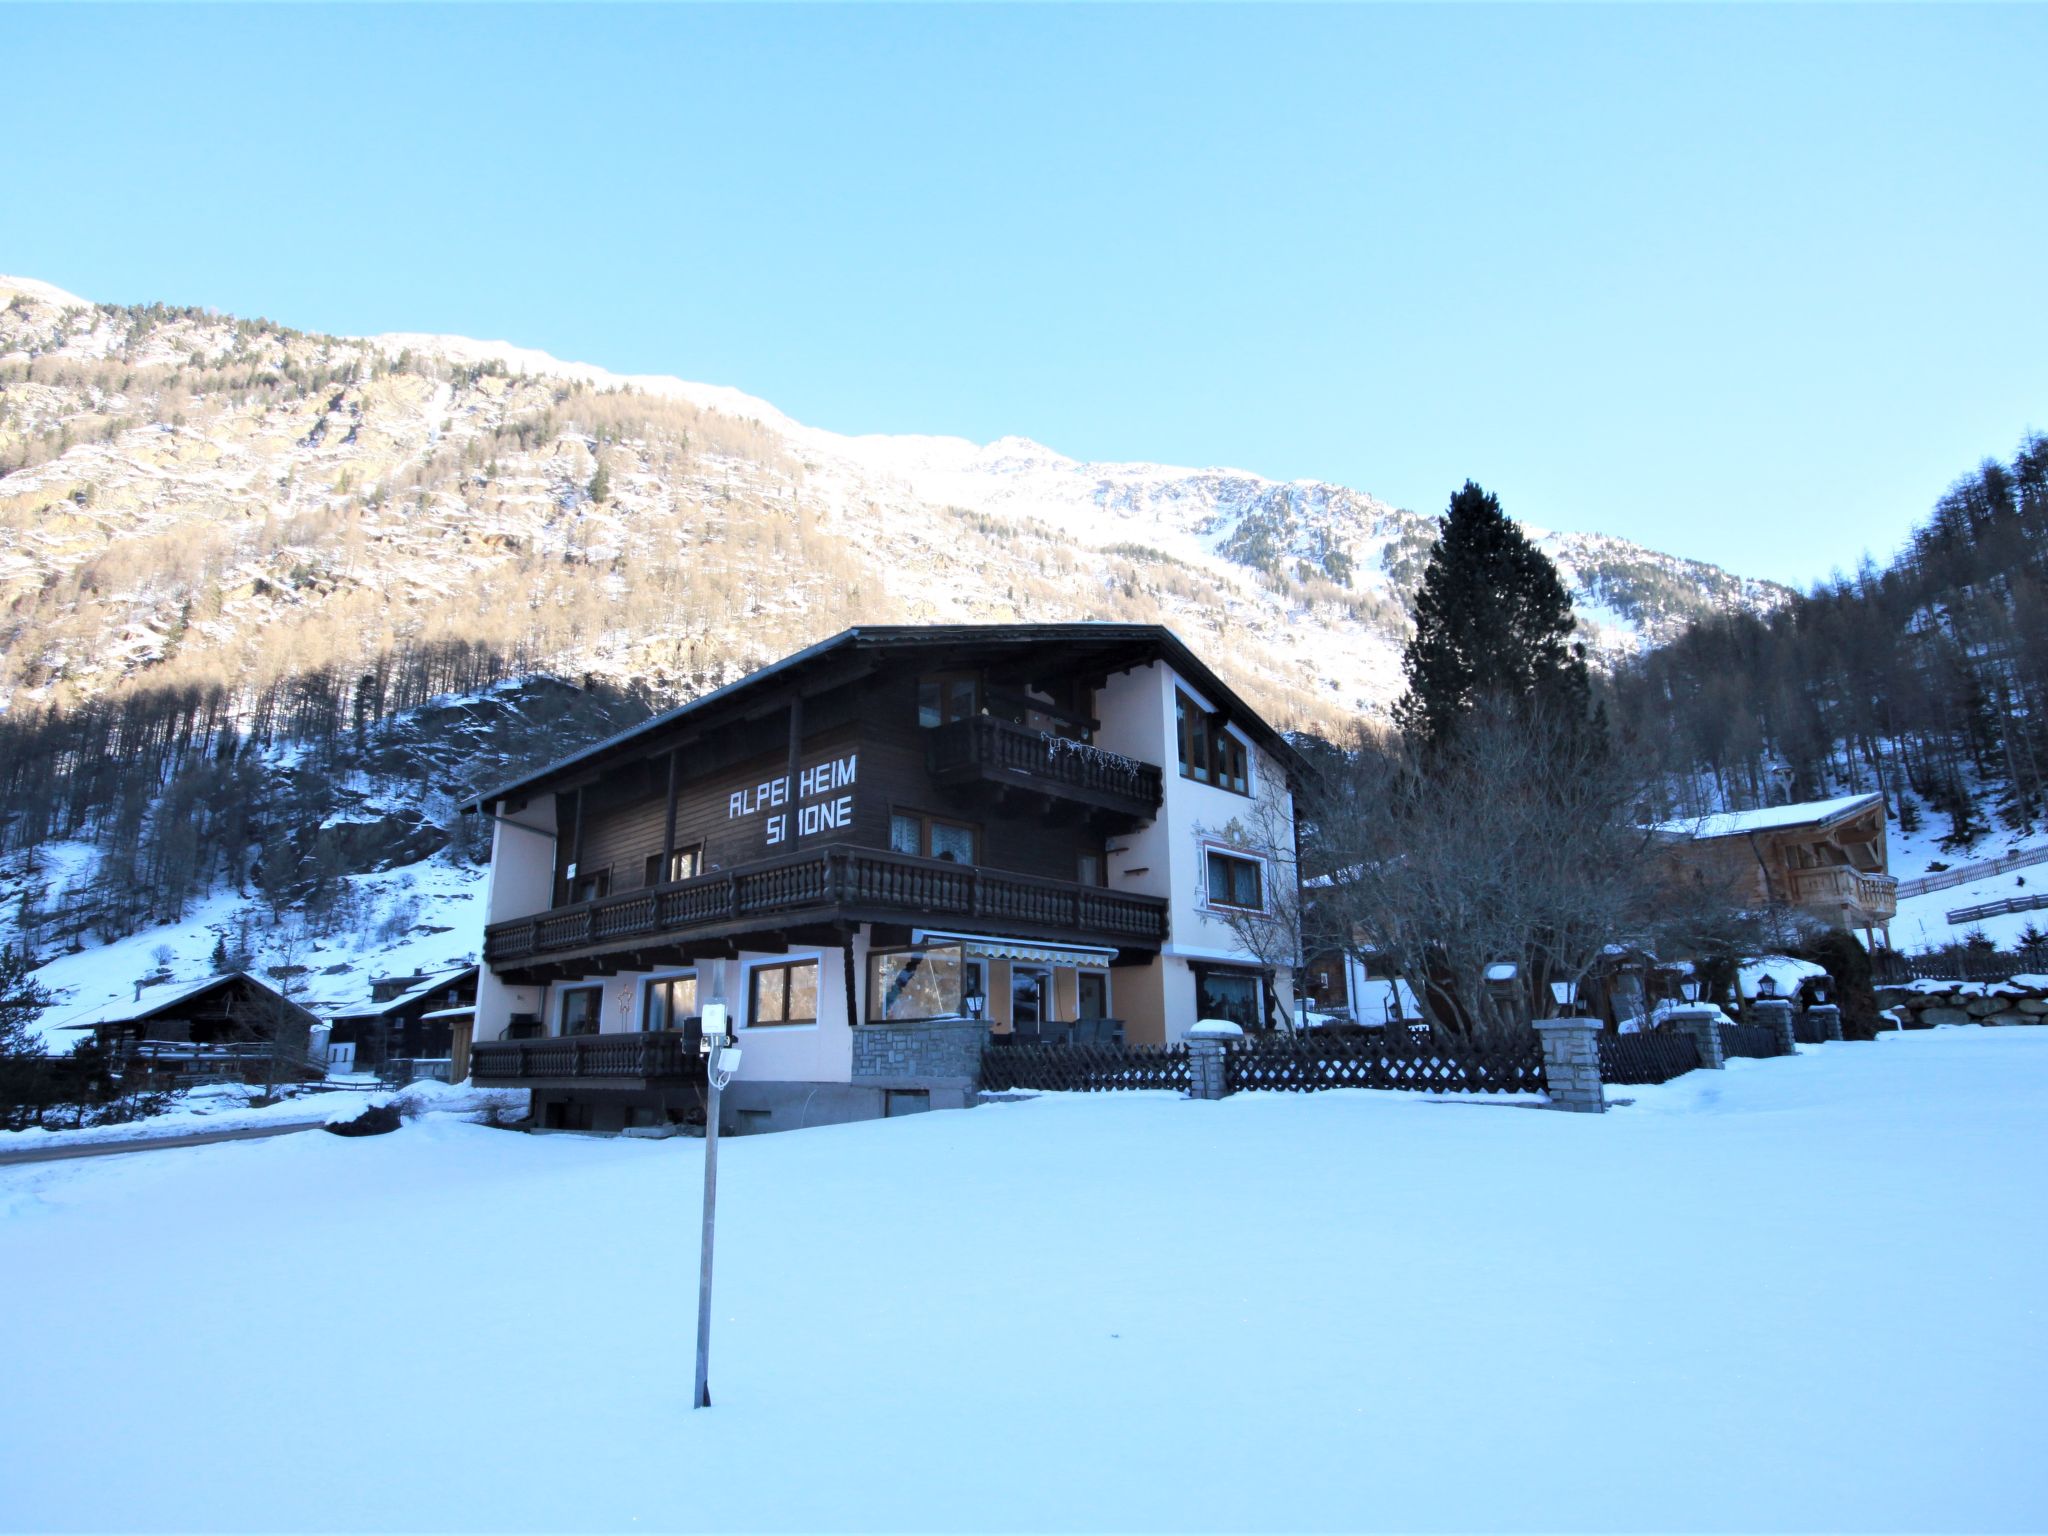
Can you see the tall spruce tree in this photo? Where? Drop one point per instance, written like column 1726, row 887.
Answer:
column 1492, row 621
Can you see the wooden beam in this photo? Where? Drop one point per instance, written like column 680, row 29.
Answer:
column 852, row 981
column 668, row 831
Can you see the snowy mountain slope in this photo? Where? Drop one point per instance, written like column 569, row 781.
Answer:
column 180, row 484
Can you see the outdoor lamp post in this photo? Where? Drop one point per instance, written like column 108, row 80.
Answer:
column 721, row 1061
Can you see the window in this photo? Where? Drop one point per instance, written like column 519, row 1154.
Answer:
column 947, row 697
column 784, row 994
column 591, row 886
column 930, row 837
column 580, row 1007
column 1209, row 753
column 1234, row 882
column 916, row 984
column 1092, row 868
column 1232, row 995
column 669, row 1000
column 683, row 864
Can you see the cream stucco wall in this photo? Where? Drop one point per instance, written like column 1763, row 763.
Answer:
column 1168, row 858
column 522, row 879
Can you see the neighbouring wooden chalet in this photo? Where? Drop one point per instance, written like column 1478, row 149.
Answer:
column 877, row 853
column 408, row 1018
column 227, row 1027
column 1826, row 857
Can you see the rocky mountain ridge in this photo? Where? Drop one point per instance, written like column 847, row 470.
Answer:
column 188, row 496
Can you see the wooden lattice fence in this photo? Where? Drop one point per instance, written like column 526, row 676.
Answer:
column 1306, row 1062
column 1748, row 1040
column 1653, row 1057
column 1083, row 1068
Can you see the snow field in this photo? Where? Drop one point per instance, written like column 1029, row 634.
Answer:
column 1799, row 1294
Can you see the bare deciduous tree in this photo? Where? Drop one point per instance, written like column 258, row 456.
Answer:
column 1520, row 844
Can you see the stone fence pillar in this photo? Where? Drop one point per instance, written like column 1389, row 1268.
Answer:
column 1775, row 1014
column 1829, row 1018
column 1207, row 1042
column 1703, row 1022
column 1571, row 1064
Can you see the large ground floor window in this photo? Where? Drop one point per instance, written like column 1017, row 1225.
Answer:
column 928, row 983
column 1237, row 996
column 785, row 993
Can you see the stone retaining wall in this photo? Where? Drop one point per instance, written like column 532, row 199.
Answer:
column 1924, row 1004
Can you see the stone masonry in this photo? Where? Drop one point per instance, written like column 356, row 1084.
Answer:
column 1828, row 1018
column 1703, row 1022
column 927, row 1052
column 1207, row 1042
column 1775, row 1014
column 1571, row 1064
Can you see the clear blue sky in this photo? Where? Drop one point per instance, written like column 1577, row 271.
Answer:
column 1748, row 284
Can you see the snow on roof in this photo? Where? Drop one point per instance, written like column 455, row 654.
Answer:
column 1785, row 974
column 433, row 983
column 1772, row 818
column 153, row 1000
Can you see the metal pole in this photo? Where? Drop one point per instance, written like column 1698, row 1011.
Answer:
column 703, row 1393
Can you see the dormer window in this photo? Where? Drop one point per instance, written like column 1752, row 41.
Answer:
column 1210, row 753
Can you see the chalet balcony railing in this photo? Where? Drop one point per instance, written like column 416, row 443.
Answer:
column 982, row 745
column 1875, row 894
column 596, row 1058
column 863, row 884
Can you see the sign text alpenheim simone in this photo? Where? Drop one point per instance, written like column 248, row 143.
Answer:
column 821, row 806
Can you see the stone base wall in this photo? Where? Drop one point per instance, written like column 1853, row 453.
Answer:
column 929, row 1052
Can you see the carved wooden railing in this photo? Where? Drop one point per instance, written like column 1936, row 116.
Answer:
column 1877, row 894
column 596, row 1057
column 984, row 743
column 870, row 881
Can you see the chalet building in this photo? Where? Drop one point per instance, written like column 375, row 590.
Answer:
column 879, row 853
column 227, row 1027
column 1826, row 857
column 408, row 1018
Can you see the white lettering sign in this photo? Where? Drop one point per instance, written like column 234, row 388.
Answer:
column 811, row 784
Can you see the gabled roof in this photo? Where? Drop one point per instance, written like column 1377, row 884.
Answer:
column 158, row 1000
column 1818, row 814
column 1125, row 644
column 426, row 988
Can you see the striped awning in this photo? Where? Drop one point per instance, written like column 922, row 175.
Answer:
column 983, row 946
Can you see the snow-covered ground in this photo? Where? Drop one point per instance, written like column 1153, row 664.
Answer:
column 231, row 1107
column 431, row 914
column 1794, row 1295
column 1922, row 922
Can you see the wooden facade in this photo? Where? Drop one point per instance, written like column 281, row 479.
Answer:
column 408, row 1018
column 1828, row 858
column 890, row 789
column 227, row 1027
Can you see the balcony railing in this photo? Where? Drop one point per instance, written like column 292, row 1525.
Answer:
column 1877, row 895
column 856, row 884
column 982, row 746
column 621, row 1058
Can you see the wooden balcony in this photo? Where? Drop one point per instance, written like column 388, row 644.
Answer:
column 1869, row 898
column 834, row 885
column 591, row 1061
column 983, row 750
